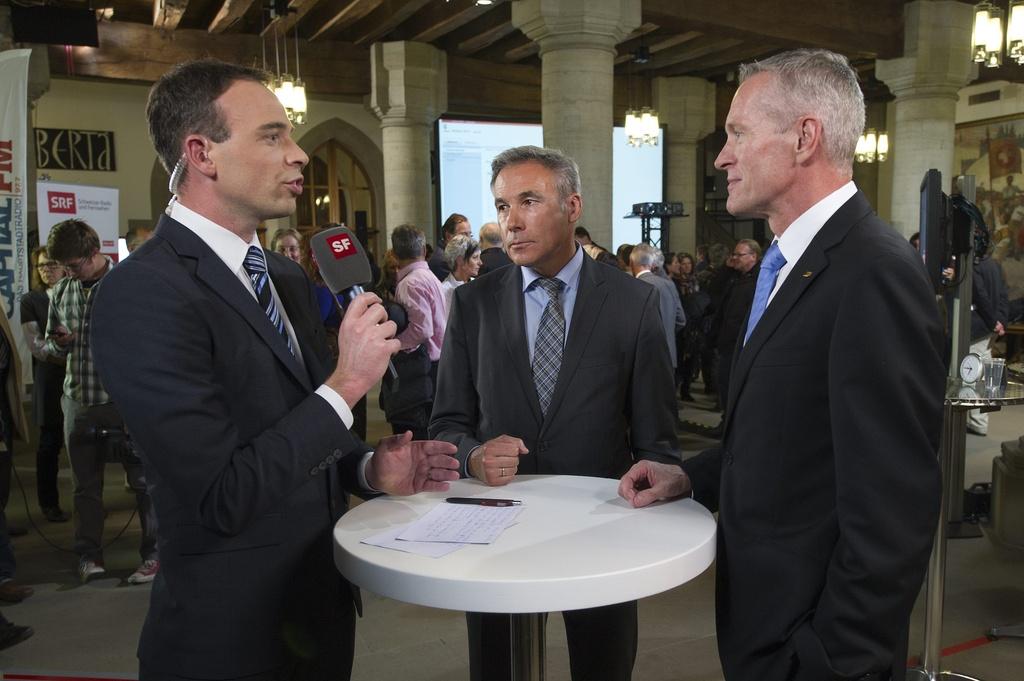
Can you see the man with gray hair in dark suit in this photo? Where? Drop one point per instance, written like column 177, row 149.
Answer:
column 492, row 254
column 826, row 483
column 576, row 342
column 642, row 260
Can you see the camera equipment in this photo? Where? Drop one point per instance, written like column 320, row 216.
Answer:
column 115, row 443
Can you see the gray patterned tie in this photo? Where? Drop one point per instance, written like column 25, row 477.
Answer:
column 255, row 265
column 547, row 349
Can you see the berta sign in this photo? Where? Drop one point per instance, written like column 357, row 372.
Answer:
column 341, row 246
column 97, row 206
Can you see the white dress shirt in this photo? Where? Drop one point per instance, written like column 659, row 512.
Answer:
column 801, row 232
column 231, row 249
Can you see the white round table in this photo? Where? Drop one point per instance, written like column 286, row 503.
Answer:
column 576, row 544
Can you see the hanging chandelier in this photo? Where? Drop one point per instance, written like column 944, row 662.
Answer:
column 987, row 40
column 289, row 90
column 642, row 125
column 872, row 146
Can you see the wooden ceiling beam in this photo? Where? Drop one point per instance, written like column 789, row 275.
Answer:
column 230, row 12
column 486, row 38
column 642, row 35
column 439, row 19
column 720, row 63
column 298, row 11
column 698, row 48
column 495, row 52
column 131, row 51
column 658, row 44
column 484, row 88
column 852, row 27
column 335, row 15
column 167, row 13
column 381, row 21
column 480, row 33
column 523, row 51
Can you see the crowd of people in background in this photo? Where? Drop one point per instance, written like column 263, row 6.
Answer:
column 707, row 294
column 713, row 289
column 705, row 299
column 236, row 401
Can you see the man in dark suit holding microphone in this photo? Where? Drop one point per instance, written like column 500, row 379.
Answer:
column 213, row 352
column 555, row 365
column 826, row 482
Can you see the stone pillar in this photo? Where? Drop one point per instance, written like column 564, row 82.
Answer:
column 686, row 107
column 6, row 30
column 577, row 40
column 925, row 81
column 409, row 90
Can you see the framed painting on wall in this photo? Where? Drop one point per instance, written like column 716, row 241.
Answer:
column 991, row 150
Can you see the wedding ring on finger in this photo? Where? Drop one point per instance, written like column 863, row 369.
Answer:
column 501, row 472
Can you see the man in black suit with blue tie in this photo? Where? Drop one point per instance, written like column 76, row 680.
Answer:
column 555, row 365
column 826, row 482
column 213, row 352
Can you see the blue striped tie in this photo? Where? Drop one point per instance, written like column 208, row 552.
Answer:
column 255, row 265
column 547, row 348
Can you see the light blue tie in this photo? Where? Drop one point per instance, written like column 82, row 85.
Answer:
column 255, row 265
column 547, row 348
column 770, row 266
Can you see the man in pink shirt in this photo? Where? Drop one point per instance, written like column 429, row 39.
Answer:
column 419, row 292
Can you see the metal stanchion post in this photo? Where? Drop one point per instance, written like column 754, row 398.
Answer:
column 528, row 646
column 953, row 510
column 954, row 423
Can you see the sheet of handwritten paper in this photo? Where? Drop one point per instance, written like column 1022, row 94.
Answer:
column 389, row 540
column 462, row 524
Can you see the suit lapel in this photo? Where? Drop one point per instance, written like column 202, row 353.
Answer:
column 808, row 268
column 211, row 270
column 586, row 311
column 512, row 322
column 296, row 305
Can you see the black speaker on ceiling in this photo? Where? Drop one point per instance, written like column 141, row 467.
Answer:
column 52, row 25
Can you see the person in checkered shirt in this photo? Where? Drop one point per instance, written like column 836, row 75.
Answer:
column 91, row 422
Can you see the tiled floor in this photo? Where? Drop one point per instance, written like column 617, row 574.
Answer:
column 93, row 629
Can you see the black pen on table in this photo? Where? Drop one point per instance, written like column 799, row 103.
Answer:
column 483, row 501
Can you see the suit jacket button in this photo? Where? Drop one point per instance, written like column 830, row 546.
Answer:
column 322, row 465
column 728, row 458
column 314, row 470
column 338, row 454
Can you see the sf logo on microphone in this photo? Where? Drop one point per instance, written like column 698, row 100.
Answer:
column 341, row 246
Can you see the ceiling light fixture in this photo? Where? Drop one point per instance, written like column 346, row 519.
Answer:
column 872, row 146
column 987, row 40
column 290, row 90
column 642, row 125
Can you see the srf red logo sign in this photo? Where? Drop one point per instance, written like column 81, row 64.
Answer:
column 341, row 246
column 61, row 202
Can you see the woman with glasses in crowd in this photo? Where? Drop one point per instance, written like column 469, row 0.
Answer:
column 48, row 382
column 288, row 242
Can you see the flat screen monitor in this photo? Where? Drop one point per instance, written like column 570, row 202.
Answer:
column 934, row 227
column 466, row 148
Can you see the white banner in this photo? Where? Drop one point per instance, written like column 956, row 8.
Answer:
column 97, row 206
column 13, row 209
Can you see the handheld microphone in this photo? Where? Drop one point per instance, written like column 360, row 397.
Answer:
column 343, row 265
